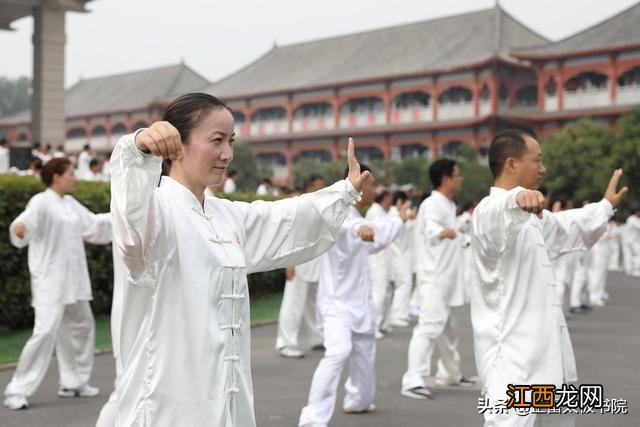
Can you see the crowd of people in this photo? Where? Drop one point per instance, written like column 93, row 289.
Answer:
column 89, row 166
column 180, row 319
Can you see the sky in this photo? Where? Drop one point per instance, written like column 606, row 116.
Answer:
column 218, row 37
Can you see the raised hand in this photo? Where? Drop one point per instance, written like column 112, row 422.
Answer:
column 366, row 233
column 19, row 229
column 160, row 139
column 612, row 194
column 356, row 178
column 531, row 201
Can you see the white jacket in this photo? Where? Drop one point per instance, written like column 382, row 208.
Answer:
column 520, row 334
column 55, row 230
column 185, row 338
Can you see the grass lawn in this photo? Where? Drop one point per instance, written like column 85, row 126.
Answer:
column 11, row 342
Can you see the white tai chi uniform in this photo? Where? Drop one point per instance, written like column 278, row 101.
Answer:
column 380, row 270
column 401, row 269
column 82, row 167
column 297, row 319
column 56, row 228
column 614, row 243
column 464, row 227
column 631, row 246
column 347, row 315
column 185, row 339
column 520, row 334
column 579, row 281
column 440, row 283
column 597, row 267
column 107, row 417
column 564, row 266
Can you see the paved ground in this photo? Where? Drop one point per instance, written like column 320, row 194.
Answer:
column 606, row 344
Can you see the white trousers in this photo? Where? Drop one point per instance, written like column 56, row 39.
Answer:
column 597, row 268
column 437, row 326
column 297, row 319
column 579, row 281
column 403, row 280
column 72, row 328
column 341, row 344
column 380, row 278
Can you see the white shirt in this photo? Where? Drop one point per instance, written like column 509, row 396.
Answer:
column 229, row 186
column 378, row 261
column 82, row 168
column 520, row 334
column 185, row 341
column 55, row 230
column 402, row 246
column 344, row 287
column 439, row 261
column 631, row 238
column 4, row 159
column 262, row 190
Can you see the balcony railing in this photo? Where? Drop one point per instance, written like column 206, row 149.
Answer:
column 312, row 123
column 269, row 127
column 356, row 120
column 587, row 98
column 550, row 103
column 412, row 115
column 462, row 110
column 628, row 95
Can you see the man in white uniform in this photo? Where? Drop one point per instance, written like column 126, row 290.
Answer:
column 230, row 183
column 297, row 317
column 520, row 334
column 440, row 282
column 4, row 156
column 55, row 226
column 379, row 265
column 631, row 244
column 347, row 315
column 401, row 268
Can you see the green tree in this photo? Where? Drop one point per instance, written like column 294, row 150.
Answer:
column 14, row 95
column 251, row 171
column 626, row 155
column 579, row 161
column 330, row 171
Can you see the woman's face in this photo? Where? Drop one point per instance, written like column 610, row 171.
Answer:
column 210, row 149
column 65, row 182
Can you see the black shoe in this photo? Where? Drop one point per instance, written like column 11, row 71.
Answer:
column 586, row 307
column 578, row 310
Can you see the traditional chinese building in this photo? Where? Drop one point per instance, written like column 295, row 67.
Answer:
column 418, row 89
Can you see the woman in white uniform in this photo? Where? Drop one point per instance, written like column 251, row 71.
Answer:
column 55, row 226
column 185, row 336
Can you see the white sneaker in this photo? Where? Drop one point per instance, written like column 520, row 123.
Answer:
column 84, row 390
column 419, row 393
column 379, row 334
column 369, row 409
column 464, row 382
column 291, row 353
column 16, row 401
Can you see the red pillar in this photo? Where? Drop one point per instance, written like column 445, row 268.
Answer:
column 493, row 94
column 435, row 99
column 289, row 112
column 288, row 156
column 475, row 90
column 560, row 86
column 541, row 85
column 336, row 109
column 613, row 78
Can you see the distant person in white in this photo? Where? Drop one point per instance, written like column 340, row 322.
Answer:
column 379, row 265
column 631, row 244
column 265, row 188
column 347, row 315
column 55, row 226
column 297, row 319
column 520, row 334
column 440, row 282
column 230, row 182
column 95, row 171
column 401, row 266
column 84, row 159
column 4, row 156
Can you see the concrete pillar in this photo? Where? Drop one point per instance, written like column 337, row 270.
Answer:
column 48, row 75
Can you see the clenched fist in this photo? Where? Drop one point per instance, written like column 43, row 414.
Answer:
column 160, row 139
